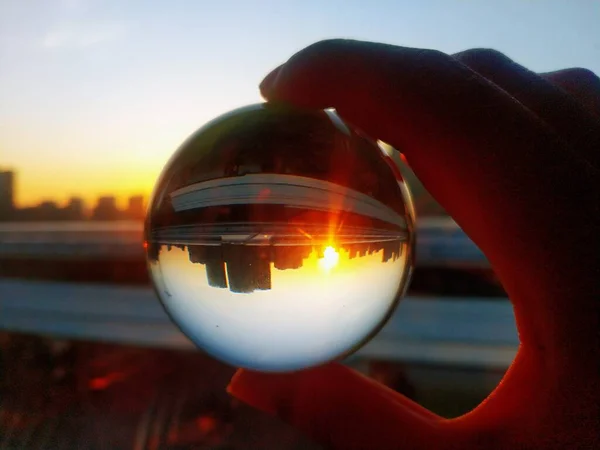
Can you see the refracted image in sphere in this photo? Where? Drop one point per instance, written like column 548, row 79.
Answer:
column 278, row 238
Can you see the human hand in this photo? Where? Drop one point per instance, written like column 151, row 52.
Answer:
column 514, row 157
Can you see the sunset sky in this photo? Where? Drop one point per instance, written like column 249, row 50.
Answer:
column 96, row 95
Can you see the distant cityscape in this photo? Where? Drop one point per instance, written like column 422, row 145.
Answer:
column 247, row 268
column 105, row 208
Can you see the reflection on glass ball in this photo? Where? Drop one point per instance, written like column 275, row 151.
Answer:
column 278, row 238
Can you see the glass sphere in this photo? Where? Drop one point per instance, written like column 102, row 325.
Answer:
column 279, row 239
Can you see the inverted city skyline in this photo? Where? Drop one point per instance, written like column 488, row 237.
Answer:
column 243, row 268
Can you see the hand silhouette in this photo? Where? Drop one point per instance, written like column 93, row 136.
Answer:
column 514, row 157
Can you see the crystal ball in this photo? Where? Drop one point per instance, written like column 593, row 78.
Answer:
column 279, row 238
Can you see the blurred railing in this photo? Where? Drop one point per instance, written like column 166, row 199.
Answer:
column 459, row 331
column 440, row 242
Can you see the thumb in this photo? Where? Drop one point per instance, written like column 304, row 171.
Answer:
column 340, row 408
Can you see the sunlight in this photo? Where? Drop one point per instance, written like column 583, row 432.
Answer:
column 330, row 259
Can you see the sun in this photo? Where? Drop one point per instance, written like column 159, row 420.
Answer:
column 330, row 259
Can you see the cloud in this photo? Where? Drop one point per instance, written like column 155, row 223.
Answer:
column 82, row 36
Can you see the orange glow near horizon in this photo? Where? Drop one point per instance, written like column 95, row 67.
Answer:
column 332, row 264
column 33, row 187
column 90, row 200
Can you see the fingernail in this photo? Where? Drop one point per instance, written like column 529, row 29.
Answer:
column 267, row 83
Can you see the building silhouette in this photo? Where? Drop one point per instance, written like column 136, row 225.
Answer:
column 106, row 209
column 75, row 209
column 49, row 209
column 7, row 194
column 212, row 258
column 290, row 257
column 247, row 268
column 135, row 208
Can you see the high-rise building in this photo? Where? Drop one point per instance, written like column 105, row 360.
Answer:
column 391, row 250
column 47, row 210
column 7, row 194
column 212, row 258
column 74, row 209
column 106, row 209
column 290, row 256
column 135, row 208
column 248, row 268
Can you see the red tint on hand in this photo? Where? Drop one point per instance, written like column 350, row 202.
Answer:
column 514, row 157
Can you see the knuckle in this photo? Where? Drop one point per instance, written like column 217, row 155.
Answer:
column 328, row 45
column 318, row 54
column 431, row 56
column 584, row 76
column 324, row 49
column 484, row 56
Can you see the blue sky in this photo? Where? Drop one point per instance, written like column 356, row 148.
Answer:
column 102, row 92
